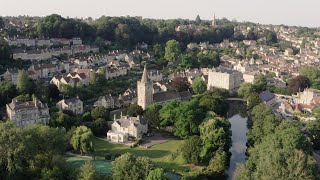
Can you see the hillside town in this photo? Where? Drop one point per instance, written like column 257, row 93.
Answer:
column 163, row 103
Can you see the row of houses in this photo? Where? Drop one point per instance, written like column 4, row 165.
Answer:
column 28, row 41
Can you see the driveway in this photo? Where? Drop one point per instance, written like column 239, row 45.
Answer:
column 157, row 138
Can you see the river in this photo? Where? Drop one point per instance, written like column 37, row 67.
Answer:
column 237, row 116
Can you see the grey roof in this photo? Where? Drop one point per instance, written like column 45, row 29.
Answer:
column 166, row 96
column 266, row 96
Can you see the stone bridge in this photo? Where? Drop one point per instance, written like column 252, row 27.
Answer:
column 236, row 99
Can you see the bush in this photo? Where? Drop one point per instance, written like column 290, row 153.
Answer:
column 108, row 157
column 115, row 156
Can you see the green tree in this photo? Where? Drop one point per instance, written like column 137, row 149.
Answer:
column 172, row 50
column 129, row 167
column 157, row 174
column 245, row 90
column 93, row 78
column 313, row 132
column 198, row 20
column 199, row 86
column 312, row 73
column 61, row 119
column 260, row 83
column 100, row 127
column 215, row 133
column 191, row 149
column 23, row 82
column 87, row 172
column 82, row 140
column 152, row 115
column 134, row 110
column 214, row 101
column 218, row 163
column 100, row 112
column 253, row 100
column 7, row 92
column 168, row 113
column 189, row 117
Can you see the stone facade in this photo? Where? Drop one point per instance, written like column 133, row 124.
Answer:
column 144, row 90
column 75, row 105
column 25, row 113
column 224, row 79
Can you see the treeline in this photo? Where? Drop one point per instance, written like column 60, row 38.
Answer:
column 126, row 32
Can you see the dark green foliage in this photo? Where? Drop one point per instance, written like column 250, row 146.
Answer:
column 180, row 84
column 199, row 86
column 298, row 84
column 100, row 127
column 27, row 152
column 313, row 132
column 7, row 92
column 82, row 140
column 152, row 115
column 172, row 50
column 134, row 110
column 191, row 149
column 129, row 167
column 100, row 112
column 215, row 101
column 157, row 174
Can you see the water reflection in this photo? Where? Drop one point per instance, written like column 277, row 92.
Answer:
column 239, row 136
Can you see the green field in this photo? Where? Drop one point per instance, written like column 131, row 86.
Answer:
column 164, row 155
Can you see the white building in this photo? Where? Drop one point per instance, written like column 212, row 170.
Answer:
column 225, row 79
column 126, row 127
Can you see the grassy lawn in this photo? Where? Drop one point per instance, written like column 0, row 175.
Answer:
column 164, row 155
column 102, row 166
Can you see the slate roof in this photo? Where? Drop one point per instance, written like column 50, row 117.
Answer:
column 266, row 96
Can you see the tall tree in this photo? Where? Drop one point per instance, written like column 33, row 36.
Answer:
column 172, row 50
column 191, row 149
column 157, row 174
column 199, row 86
column 152, row 115
column 87, row 172
column 298, row 84
column 82, row 140
column 23, row 82
column 134, row 110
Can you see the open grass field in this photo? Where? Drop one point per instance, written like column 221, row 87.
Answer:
column 164, row 155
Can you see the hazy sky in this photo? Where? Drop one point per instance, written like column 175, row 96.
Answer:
column 290, row 12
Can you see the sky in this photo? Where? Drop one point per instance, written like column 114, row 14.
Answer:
column 289, row 12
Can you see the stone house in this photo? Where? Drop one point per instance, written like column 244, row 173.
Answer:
column 75, row 105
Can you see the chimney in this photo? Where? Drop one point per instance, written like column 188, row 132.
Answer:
column 114, row 117
column 121, row 115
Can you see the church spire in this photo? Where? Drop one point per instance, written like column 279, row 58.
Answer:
column 145, row 74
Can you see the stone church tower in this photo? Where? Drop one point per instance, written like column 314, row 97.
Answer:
column 214, row 22
column 144, row 90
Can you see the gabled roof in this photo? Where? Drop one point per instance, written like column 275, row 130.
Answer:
column 266, row 96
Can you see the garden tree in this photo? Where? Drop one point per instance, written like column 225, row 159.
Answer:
column 23, row 82
column 41, row 90
column 189, row 117
column 26, row 152
column 99, row 127
column 253, row 100
column 245, row 90
column 260, row 83
column 298, row 84
column 285, row 154
column 134, row 110
column 157, row 174
column 191, row 148
column 251, row 35
column 172, row 50
column 1, row 23
column 100, row 112
column 93, row 78
column 7, row 92
column 264, row 122
column 215, row 133
column 199, row 86
column 53, row 92
column 152, row 115
column 271, row 37
column 168, row 113
column 130, row 167
column 87, row 116
column 87, row 172
column 82, row 140
column 61, row 119
column 311, row 72
column 208, row 58
column 313, row 132
column 123, row 35
column 218, row 164
column 198, row 20
column 180, row 84
column 215, row 101
column 158, row 51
